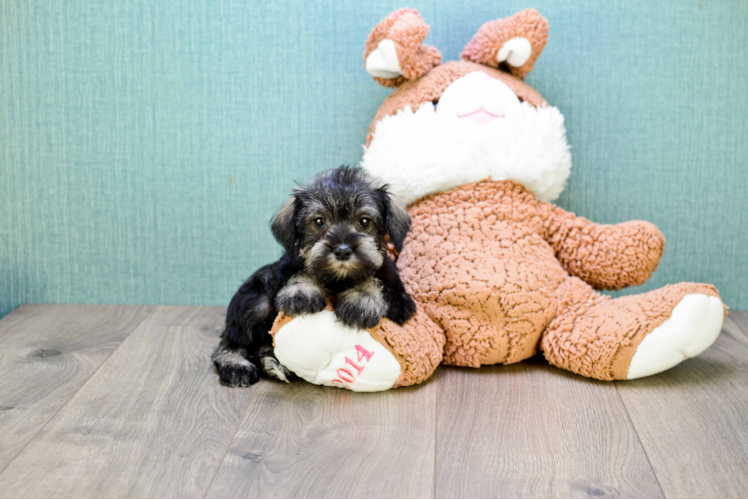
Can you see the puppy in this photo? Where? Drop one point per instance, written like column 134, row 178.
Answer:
column 334, row 234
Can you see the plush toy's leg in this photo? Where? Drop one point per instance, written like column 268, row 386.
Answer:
column 321, row 350
column 634, row 336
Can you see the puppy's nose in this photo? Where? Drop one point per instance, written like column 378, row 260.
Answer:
column 342, row 252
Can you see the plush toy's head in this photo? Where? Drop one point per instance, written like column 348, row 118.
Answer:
column 463, row 121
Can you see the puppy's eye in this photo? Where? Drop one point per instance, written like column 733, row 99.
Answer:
column 364, row 222
column 319, row 222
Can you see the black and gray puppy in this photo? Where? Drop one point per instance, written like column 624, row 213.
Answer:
column 334, row 233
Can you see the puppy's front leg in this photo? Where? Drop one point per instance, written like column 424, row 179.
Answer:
column 400, row 307
column 361, row 306
column 301, row 295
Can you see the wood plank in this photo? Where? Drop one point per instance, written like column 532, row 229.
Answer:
column 310, row 441
column 739, row 319
column 47, row 352
column 531, row 430
column 693, row 419
column 152, row 422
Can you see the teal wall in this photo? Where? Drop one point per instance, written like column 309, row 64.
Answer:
column 145, row 144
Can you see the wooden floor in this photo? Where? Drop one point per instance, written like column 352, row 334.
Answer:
column 123, row 401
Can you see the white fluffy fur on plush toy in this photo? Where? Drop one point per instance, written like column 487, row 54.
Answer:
column 426, row 152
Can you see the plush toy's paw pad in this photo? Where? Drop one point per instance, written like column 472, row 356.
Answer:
column 692, row 327
column 322, row 351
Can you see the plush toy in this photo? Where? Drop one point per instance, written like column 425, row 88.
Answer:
column 498, row 273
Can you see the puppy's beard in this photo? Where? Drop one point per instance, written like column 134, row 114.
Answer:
column 342, row 269
column 363, row 263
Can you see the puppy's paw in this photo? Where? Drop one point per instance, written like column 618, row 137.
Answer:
column 273, row 369
column 239, row 375
column 301, row 296
column 355, row 316
column 360, row 307
column 402, row 309
column 234, row 368
column 300, row 303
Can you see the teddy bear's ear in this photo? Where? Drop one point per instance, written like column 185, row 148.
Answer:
column 512, row 44
column 394, row 52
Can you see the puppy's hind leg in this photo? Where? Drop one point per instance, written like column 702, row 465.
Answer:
column 234, row 368
column 273, row 368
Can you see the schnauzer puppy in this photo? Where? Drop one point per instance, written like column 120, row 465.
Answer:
column 334, row 233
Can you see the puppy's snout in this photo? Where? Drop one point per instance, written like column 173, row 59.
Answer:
column 343, row 252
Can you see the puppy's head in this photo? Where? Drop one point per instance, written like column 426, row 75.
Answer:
column 339, row 223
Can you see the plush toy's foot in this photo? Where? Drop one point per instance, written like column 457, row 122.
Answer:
column 321, row 350
column 693, row 326
column 633, row 336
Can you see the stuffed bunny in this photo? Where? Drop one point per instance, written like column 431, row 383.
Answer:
column 498, row 273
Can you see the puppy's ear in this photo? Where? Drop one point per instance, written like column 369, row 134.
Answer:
column 283, row 227
column 396, row 220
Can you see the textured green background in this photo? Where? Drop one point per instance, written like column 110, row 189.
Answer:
column 145, row 144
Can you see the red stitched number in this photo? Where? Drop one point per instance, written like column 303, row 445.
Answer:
column 346, row 370
column 358, row 368
column 350, row 378
column 363, row 353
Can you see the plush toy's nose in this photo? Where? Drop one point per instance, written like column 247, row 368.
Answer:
column 477, row 98
column 342, row 252
column 479, row 117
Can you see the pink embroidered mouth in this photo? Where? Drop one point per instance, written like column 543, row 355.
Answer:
column 481, row 117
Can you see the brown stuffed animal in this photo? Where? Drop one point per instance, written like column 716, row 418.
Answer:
column 498, row 273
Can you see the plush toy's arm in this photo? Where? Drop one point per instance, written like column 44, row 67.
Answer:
column 608, row 257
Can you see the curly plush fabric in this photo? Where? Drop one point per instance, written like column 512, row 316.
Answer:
column 607, row 257
column 492, row 266
column 417, row 345
column 485, row 45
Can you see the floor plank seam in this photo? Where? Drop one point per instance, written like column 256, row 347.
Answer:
column 72, row 396
column 641, row 443
column 436, row 430
column 226, row 452
column 741, row 328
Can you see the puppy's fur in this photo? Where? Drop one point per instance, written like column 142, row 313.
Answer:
column 334, row 235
